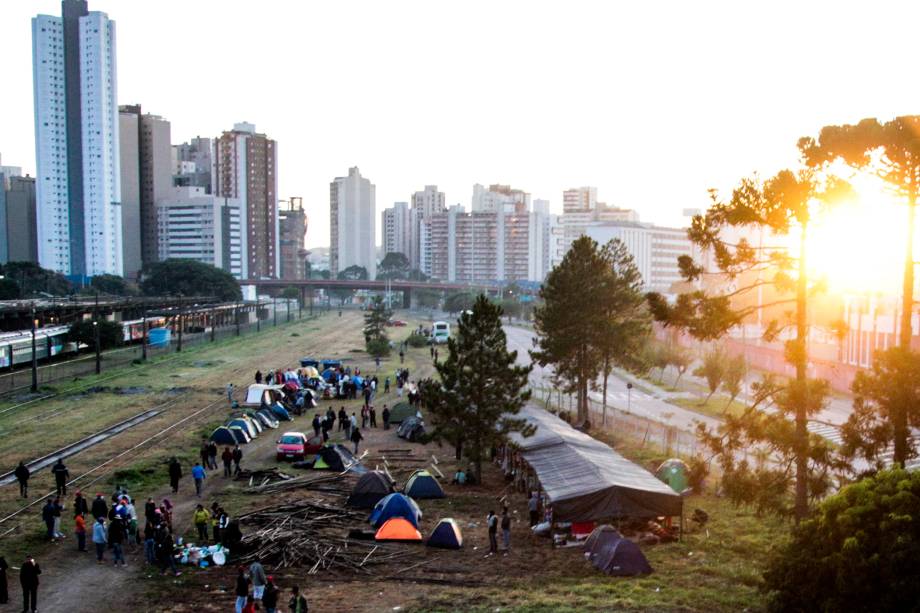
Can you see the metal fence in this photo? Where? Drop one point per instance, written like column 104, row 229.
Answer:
column 20, row 380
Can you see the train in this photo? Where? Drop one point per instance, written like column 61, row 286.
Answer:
column 51, row 341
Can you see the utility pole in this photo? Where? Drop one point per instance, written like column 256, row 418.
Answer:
column 179, row 346
column 96, row 343
column 34, row 355
column 144, row 338
column 213, row 324
column 275, row 309
column 236, row 310
column 258, row 316
column 288, row 302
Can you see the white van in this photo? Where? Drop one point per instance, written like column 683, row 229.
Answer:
column 440, row 332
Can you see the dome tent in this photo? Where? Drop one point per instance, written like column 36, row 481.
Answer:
column 338, row 458
column 240, row 435
column 401, row 411
column 223, row 436
column 675, row 473
column 423, row 485
column 398, row 529
column 370, row 488
column 395, row 505
column 446, row 535
column 243, row 425
column 615, row 555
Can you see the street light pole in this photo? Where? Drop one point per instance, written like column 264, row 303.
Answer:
column 34, row 354
column 629, row 387
column 96, row 343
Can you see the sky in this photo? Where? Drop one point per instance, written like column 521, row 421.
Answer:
column 652, row 102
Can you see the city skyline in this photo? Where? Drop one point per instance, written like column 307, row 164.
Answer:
column 728, row 103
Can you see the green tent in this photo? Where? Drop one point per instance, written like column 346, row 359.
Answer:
column 675, row 473
column 401, row 411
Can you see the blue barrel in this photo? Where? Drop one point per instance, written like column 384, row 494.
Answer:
column 158, row 337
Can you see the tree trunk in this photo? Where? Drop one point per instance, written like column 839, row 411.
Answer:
column 606, row 377
column 459, row 450
column 899, row 415
column 477, row 453
column 801, row 417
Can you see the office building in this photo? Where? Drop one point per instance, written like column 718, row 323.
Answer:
column 396, row 222
column 580, row 209
column 202, row 227
column 425, row 203
column 192, row 163
column 76, row 142
column 245, row 168
column 352, row 220
column 146, row 178
column 499, row 198
column 292, row 226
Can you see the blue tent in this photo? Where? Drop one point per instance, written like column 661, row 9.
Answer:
column 422, row 485
column 395, row 505
column 609, row 552
column 280, row 412
column 358, row 380
column 243, row 425
column 304, row 362
column 332, row 363
column 446, row 535
column 328, row 374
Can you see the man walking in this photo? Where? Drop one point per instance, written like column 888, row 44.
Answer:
column 356, row 438
column 203, row 453
column 60, row 477
column 198, row 475
column 237, row 458
column 212, row 455
column 99, row 539
column 316, row 425
column 386, row 417
column 230, row 394
column 175, row 473
column 117, row 540
column 506, row 530
column 373, row 413
column 22, row 475
column 80, row 532
column 257, row 573
column 201, row 518
column 492, row 523
column 227, row 458
column 48, row 518
column 99, row 508
column 28, row 579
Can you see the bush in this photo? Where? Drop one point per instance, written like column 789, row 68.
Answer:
column 858, row 553
column 698, row 471
column 417, row 340
column 378, row 347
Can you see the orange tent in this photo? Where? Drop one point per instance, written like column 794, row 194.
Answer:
column 398, row 529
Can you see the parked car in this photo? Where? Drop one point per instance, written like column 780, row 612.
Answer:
column 297, row 446
column 397, row 323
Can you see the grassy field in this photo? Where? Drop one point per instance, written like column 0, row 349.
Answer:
column 717, row 406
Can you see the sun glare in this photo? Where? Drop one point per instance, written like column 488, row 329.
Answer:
column 858, row 246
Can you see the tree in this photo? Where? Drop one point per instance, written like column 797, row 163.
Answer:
column 681, row 360
column 788, row 201
column 891, row 151
column 111, row 333
column 458, row 302
column 427, row 298
column 481, row 388
column 858, row 553
column 394, row 265
column 33, row 279
column 319, row 274
column 893, row 382
column 375, row 327
column 733, row 379
column 9, row 289
column 291, row 293
column 110, row 284
column 416, row 275
column 713, row 370
column 511, row 308
column 353, row 273
column 181, row 277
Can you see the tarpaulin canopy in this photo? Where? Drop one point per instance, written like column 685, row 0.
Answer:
column 255, row 392
column 585, row 479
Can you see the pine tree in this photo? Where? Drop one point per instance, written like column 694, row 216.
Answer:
column 480, row 386
column 375, row 331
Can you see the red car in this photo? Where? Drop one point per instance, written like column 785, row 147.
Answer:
column 396, row 323
column 297, row 446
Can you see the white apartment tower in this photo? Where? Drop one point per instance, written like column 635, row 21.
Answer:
column 397, row 230
column 76, row 142
column 352, row 223
column 425, row 203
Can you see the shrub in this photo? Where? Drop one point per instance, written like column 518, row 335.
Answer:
column 859, row 552
column 417, row 340
column 378, row 347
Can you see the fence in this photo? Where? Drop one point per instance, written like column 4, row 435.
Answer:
column 621, row 424
column 20, row 380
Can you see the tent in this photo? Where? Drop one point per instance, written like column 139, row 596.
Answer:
column 243, row 425
column 280, row 412
column 265, row 417
column 615, row 555
column 446, row 535
column 310, row 371
column 338, row 458
column 370, row 488
column 223, row 436
column 358, row 380
column 290, row 387
column 586, row 480
column 328, row 375
column 309, row 363
column 256, row 392
column 332, row 364
column 422, row 485
column 675, row 473
column 254, row 423
column 395, row 505
column 398, row 529
column 309, row 399
column 411, row 429
column 240, row 435
column 401, row 411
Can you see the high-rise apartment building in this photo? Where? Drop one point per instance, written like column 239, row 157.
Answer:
column 397, row 230
column 21, row 239
column 146, row 178
column 425, row 203
column 580, row 209
column 245, row 168
column 352, row 223
column 202, row 227
column 499, row 198
column 192, row 163
column 76, row 141
column 292, row 225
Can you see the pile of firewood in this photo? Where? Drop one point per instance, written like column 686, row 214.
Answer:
column 258, row 478
column 310, row 535
column 336, row 483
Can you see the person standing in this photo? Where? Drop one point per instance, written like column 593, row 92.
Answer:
column 317, row 424
column 60, row 477
column 175, row 473
column 79, row 505
column 366, row 393
column 356, row 438
column 297, row 604
column 48, row 518
column 386, row 417
column 270, row 596
column 198, row 475
column 165, row 547
column 150, row 512
column 533, row 505
column 100, row 508
column 117, row 540
column 242, row 589
column 343, row 417
column 227, row 458
column 28, row 579
column 203, row 453
column 150, row 543
column 230, row 393
column 506, row 530
column 492, row 523
column 212, row 455
column 259, row 376
column 80, row 532
column 99, row 539
column 237, row 458
column 22, row 475
column 257, row 573
column 386, row 385
column 58, row 511
column 201, row 518
column 373, row 413
column 402, row 355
